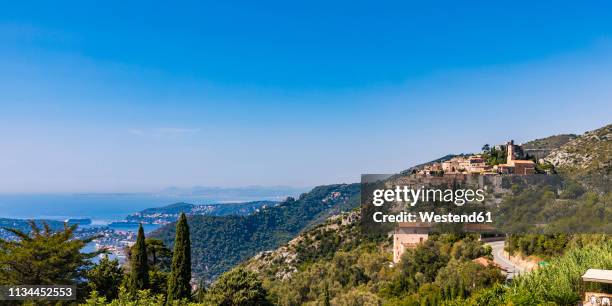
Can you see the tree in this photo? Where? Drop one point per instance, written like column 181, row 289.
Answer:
column 159, row 255
column 420, row 265
column 358, row 296
column 461, row 278
column 237, row 287
column 486, row 148
column 139, row 266
column 180, row 275
column 200, row 293
column 44, row 257
column 158, row 281
column 105, row 277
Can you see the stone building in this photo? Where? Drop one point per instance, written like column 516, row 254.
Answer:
column 514, row 165
column 408, row 235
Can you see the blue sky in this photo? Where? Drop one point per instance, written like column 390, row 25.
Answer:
column 111, row 96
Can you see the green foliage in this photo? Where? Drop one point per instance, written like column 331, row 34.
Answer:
column 44, row 257
column 323, row 241
column 139, row 264
column 537, row 244
column 180, row 276
column 158, row 281
column 224, row 241
column 366, row 265
column 419, row 266
column 560, row 281
column 495, row 295
column 141, row 298
column 237, row 287
column 572, row 190
column 493, row 156
column 440, row 269
column 358, row 296
column 159, row 256
column 95, row 300
column 462, row 278
column 361, row 274
column 469, row 248
column 104, row 278
column 537, row 207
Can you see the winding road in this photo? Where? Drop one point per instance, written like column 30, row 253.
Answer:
column 499, row 258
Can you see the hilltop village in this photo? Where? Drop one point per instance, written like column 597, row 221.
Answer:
column 506, row 159
column 501, row 159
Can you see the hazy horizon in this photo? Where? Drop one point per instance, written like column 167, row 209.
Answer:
column 99, row 99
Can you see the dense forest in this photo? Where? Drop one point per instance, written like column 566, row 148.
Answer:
column 220, row 243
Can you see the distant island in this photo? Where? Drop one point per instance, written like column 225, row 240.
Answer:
column 170, row 213
column 80, row 221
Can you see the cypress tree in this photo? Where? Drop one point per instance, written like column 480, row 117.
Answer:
column 180, row 276
column 139, row 273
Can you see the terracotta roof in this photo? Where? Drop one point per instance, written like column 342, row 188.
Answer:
column 483, row 261
column 523, row 161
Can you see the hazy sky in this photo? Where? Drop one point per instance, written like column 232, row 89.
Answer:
column 116, row 96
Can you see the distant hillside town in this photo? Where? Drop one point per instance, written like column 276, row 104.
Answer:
column 501, row 159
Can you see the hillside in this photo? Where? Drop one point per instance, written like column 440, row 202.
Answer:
column 339, row 232
column 220, row 242
column 334, row 262
column 540, row 148
column 586, row 158
column 549, row 143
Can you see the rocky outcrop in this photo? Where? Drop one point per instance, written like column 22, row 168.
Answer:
column 587, row 158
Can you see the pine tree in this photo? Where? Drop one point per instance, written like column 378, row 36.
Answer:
column 180, row 276
column 105, row 277
column 237, row 287
column 43, row 256
column 139, row 266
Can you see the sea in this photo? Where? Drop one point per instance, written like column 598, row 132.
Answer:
column 102, row 209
